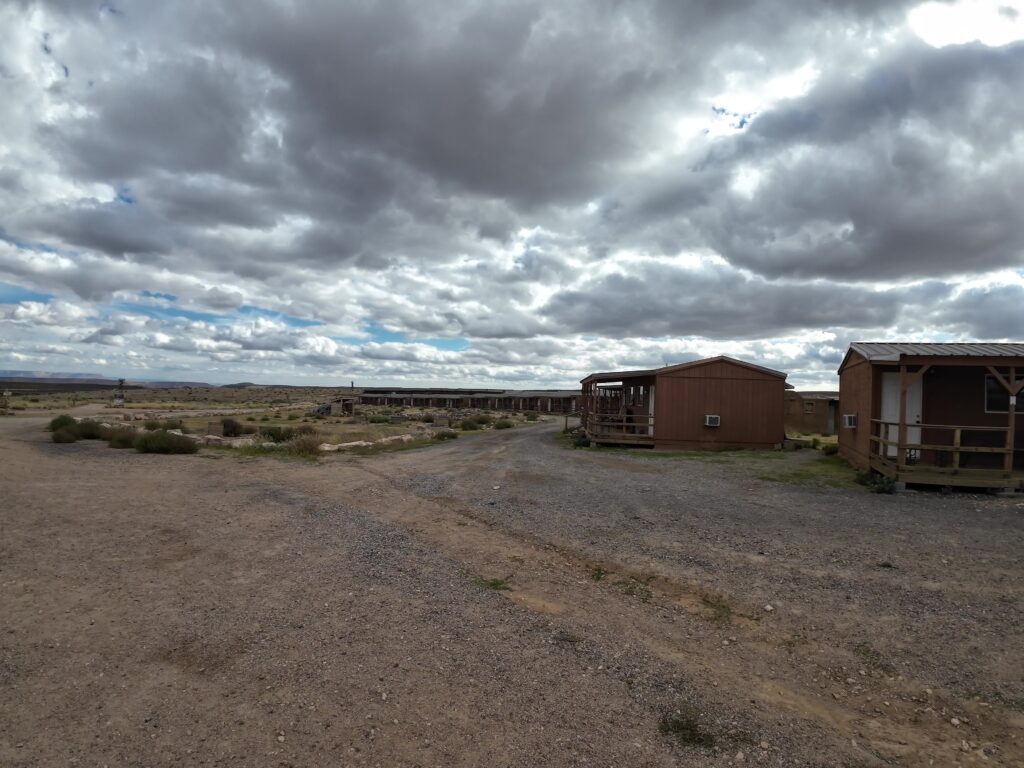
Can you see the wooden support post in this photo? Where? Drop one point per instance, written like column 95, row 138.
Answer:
column 1010, row 429
column 901, row 449
column 956, row 445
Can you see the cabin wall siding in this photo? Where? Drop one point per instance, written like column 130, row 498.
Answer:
column 857, row 395
column 749, row 402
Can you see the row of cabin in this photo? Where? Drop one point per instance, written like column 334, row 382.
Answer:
column 542, row 401
column 941, row 414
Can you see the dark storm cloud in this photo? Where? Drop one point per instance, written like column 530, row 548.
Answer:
column 913, row 169
column 719, row 303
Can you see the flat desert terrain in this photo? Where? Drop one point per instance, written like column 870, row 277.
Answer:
column 496, row 600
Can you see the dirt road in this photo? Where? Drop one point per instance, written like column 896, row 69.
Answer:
column 212, row 610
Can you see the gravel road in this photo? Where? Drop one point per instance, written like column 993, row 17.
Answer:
column 499, row 600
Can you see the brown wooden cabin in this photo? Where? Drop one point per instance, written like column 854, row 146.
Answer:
column 938, row 414
column 717, row 403
column 812, row 413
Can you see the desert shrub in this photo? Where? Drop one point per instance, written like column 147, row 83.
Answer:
column 305, row 429
column 293, row 416
column 162, row 441
column 250, row 418
column 33, row 399
column 307, row 446
column 468, row 425
column 277, row 434
column 121, row 437
column 581, row 441
column 830, row 449
column 484, row 418
column 151, row 424
column 65, row 435
column 427, row 418
column 89, row 430
column 173, row 424
column 60, row 422
column 264, row 418
column 503, row 424
column 875, row 482
column 815, row 442
column 379, row 419
column 532, row 415
column 446, row 435
column 232, row 427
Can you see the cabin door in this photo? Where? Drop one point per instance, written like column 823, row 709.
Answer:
column 891, row 411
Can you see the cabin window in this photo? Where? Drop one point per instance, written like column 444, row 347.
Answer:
column 809, row 406
column 997, row 399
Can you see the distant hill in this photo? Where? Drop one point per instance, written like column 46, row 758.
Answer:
column 25, row 378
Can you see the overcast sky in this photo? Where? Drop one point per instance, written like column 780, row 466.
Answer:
column 501, row 193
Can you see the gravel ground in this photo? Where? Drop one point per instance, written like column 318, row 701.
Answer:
column 210, row 610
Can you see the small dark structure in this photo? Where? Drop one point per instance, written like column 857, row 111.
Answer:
column 939, row 414
column 717, row 403
column 812, row 413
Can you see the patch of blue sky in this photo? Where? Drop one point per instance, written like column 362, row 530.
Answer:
column 382, row 336
column 247, row 310
column 15, row 294
column 158, row 295
column 167, row 313
column 27, row 245
column 124, row 196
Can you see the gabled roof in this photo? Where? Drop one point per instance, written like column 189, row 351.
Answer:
column 617, row 375
column 891, row 352
column 883, row 351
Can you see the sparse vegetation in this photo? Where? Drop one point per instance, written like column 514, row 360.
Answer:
column 89, row 430
column 469, row 425
column 495, row 584
column 60, row 422
column 873, row 659
column 162, row 441
column 532, row 415
column 503, row 424
column 445, row 435
column 379, row 419
column 427, row 418
column 122, row 437
column 875, row 482
column 633, row 588
column 598, row 573
column 826, row 471
column 232, row 427
column 721, row 611
column 684, row 726
column 830, row 449
column 65, row 435
column 278, row 434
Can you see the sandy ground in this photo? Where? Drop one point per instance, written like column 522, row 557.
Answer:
column 213, row 610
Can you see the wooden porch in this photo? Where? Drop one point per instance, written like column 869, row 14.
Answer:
column 965, row 455
column 619, row 413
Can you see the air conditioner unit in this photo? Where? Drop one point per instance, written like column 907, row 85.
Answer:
column 850, row 420
column 712, row 420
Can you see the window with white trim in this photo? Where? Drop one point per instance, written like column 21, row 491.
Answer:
column 997, row 399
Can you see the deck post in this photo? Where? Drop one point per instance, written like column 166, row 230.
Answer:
column 901, row 449
column 1010, row 429
column 956, row 447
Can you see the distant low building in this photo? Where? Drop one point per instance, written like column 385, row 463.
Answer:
column 540, row 400
column 812, row 413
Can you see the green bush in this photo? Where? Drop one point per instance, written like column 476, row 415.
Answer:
column 293, row 416
column 427, row 418
column 503, row 424
column 89, row 430
column 151, row 424
column 532, row 415
column 446, row 435
column 581, row 441
column 121, row 437
column 306, row 446
column 305, row 429
column 250, row 418
column 65, row 435
column 278, row 434
column 815, row 442
column 264, row 418
column 484, row 418
column 379, row 419
column 875, row 482
column 232, row 427
column 469, row 425
column 162, row 441
column 60, row 422
column 830, row 449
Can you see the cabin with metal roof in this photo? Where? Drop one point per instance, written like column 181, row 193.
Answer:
column 716, row 403
column 935, row 414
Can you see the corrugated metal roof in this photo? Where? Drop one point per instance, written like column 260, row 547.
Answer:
column 617, row 375
column 873, row 350
column 818, row 395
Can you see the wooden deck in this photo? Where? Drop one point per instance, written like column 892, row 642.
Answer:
column 615, row 429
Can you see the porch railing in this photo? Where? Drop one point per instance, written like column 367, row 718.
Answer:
column 638, row 426
column 954, row 455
